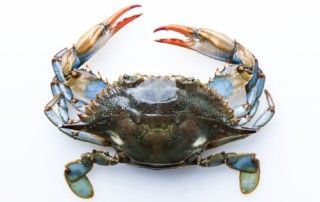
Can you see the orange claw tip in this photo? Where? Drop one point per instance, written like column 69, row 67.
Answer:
column 125, row 21
column 159, row 29
column 135, row 6
column 161, row 40
column 112, row 19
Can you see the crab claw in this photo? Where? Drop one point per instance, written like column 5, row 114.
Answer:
column 210, row 43
column 97, row 36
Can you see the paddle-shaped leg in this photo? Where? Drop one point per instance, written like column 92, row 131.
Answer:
column 76, row 171
column 247, row 164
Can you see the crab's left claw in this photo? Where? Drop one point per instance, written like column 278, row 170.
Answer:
column 97, row 36
column 210, row 43
column 218, row 46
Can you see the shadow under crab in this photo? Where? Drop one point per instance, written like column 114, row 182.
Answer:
column 158, row 121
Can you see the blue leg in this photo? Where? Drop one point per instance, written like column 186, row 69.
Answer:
column 254, row 87
column 267, row 115
column 75, row 172
column 247, row 164
column 72, row 82
column 241, row 63
column 82, row 84
column 68, row 60
column 53, row 112
column 262, row 120
column 244, row 113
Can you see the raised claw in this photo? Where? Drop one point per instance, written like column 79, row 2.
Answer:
column 216, row 45
column 210, row 43
column 97, row 36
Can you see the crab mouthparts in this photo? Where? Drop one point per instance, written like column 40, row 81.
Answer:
column 185, row 37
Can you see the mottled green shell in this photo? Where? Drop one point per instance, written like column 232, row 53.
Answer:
column 160, row 121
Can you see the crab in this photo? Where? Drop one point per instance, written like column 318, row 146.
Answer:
column 158, row 122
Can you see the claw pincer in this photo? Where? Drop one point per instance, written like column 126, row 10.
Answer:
column 157, row 122
column 240, row 62
column 72, row 82
column 241, row 69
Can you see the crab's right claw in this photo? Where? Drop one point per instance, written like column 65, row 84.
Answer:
column 97, row 36
column 210, row 43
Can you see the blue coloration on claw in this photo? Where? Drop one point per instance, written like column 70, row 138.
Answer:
column 95, row 87
column 77, row 62
column 82, row 187
column 222, row 86
column 235, row 59
column 254, row 78
column 246, row 163
column 76, row 170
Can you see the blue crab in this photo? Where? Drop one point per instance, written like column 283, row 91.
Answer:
column 158, row 122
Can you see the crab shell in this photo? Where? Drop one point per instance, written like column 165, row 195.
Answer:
column 160, row 121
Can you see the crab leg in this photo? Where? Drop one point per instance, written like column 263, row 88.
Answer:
column 76, row 171
column 67, row 60
column 247, row 164
column 241, row 70
column 254, row 90
column 74, row 83
column 52, row 110
column 97, row 36
column 218, row 46
column 59, row 116
column 244, row 113
column 267, row 115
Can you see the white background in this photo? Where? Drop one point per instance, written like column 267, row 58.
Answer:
column 283, row 35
